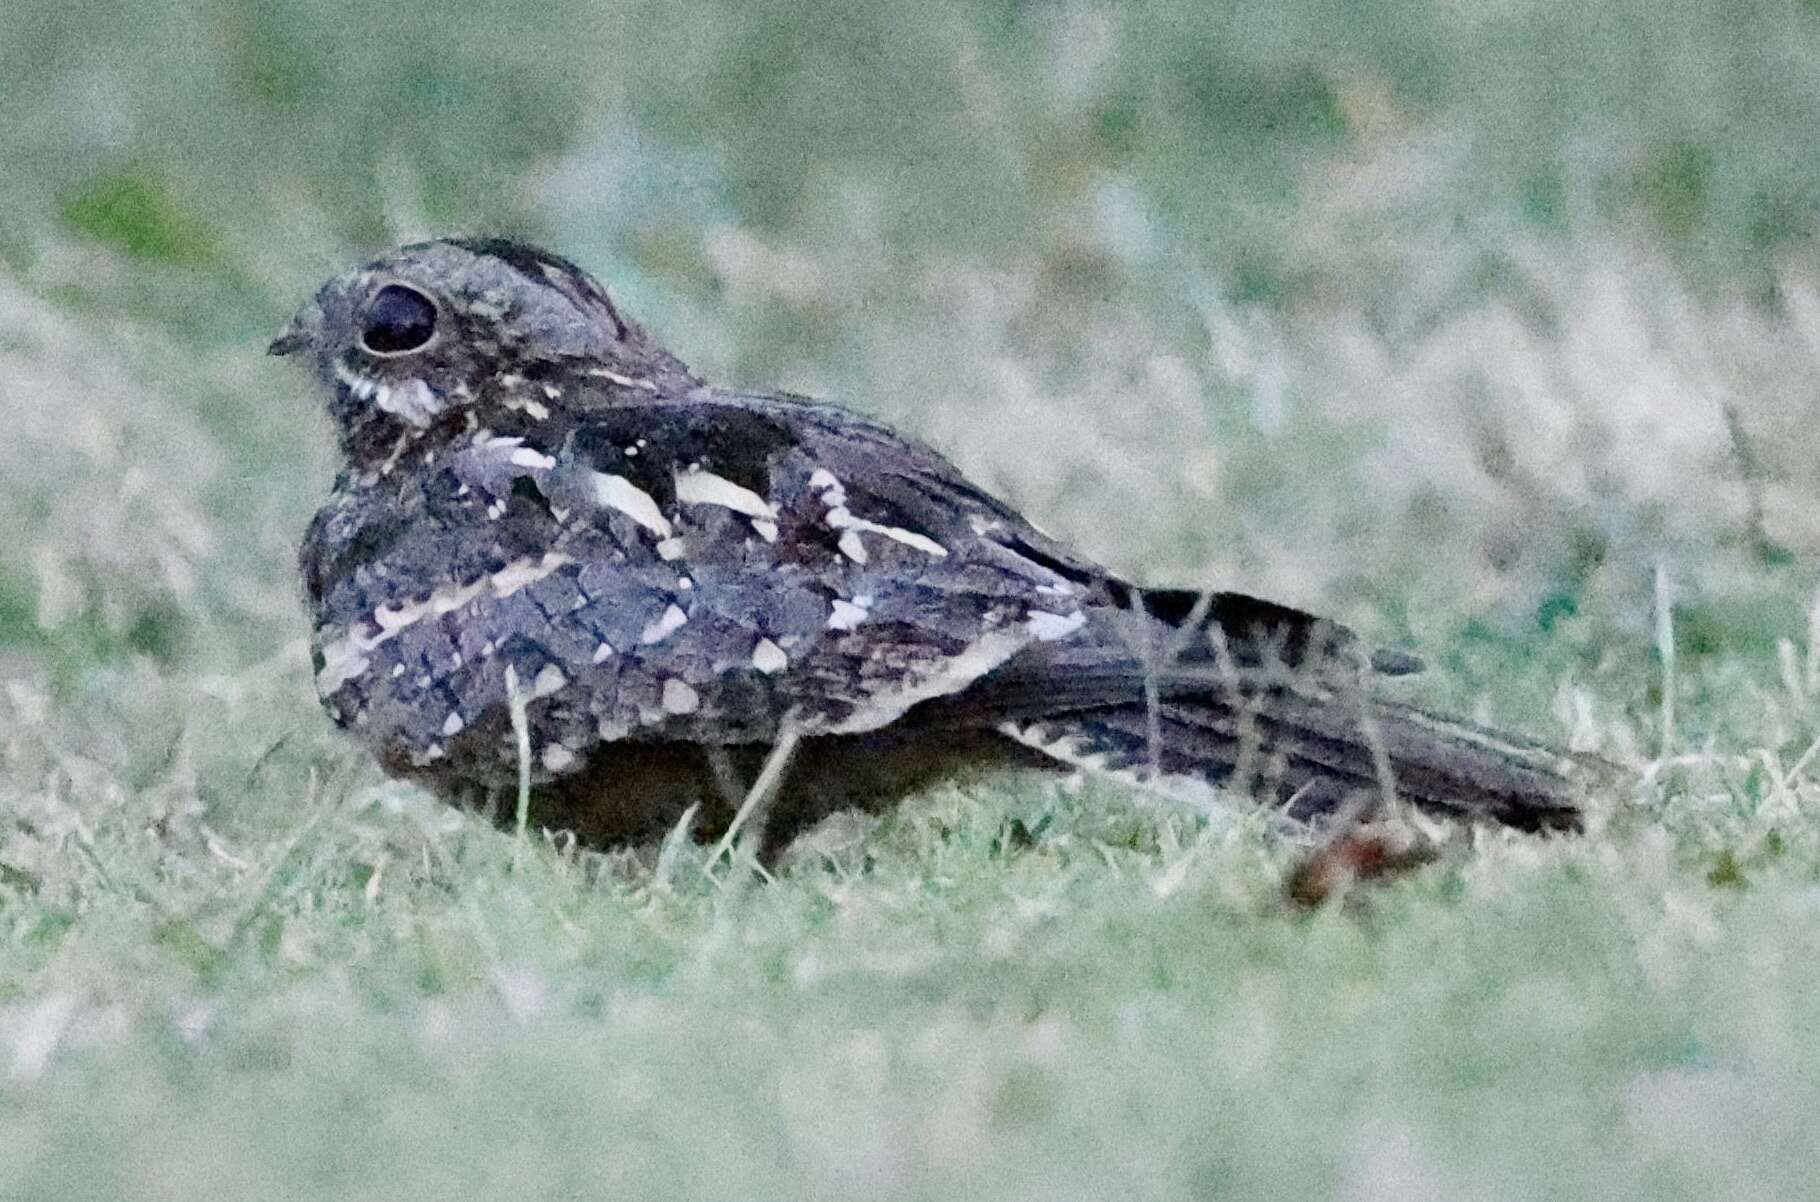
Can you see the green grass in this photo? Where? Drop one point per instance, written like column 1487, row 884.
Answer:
column 1465, row 324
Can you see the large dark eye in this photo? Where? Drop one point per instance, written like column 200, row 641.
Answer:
column 399, row 319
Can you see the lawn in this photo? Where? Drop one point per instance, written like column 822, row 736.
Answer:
column 1493, row 330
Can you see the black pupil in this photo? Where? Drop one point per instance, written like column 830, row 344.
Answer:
column 399, row 319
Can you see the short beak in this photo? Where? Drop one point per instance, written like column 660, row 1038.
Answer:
column 290, row 340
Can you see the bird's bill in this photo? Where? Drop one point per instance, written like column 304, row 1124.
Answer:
column 291, row 339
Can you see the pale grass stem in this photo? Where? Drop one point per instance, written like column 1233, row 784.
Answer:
column 1374, row 740
column 758, row 797
column 1813, row 645
column 1665, row 648
column 1157, row 661
column 521, row 731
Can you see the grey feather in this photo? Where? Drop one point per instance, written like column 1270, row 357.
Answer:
column 537, row 495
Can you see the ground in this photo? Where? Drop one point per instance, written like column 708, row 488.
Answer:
column 1493, row 330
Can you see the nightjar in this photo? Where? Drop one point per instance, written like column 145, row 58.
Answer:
column 542, row 511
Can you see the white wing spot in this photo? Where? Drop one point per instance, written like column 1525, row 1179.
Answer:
column 617, row 492
column 911, row 538
column 549, row 681
column 533, row 458
column 1046, row 627
column 847, row 614
column 664, row 627
column 622, row 381
column 769, row 658
column 679, row 698
column 706, row 488
column 556, row 757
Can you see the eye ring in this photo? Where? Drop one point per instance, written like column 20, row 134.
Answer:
column 399, row 320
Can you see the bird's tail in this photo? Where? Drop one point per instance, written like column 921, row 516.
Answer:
column 1316, row 751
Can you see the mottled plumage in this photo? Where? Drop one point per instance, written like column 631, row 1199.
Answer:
column 536, row 497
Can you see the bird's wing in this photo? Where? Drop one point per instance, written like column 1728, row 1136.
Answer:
column 703, row 570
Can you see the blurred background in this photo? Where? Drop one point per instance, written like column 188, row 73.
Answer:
column 1492, row 328
column 1456, row 319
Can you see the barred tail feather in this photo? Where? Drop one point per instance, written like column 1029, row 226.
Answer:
column 1314, row 754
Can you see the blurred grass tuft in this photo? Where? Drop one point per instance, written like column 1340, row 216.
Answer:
column 135, row 212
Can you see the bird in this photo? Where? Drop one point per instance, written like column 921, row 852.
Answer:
column 554, row 558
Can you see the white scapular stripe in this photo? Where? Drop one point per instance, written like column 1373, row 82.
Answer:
column 950, row 676
column 842, row 518
column 345, row 658
column 515, row 576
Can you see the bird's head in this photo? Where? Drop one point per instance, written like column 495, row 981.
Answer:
column 452, row 334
